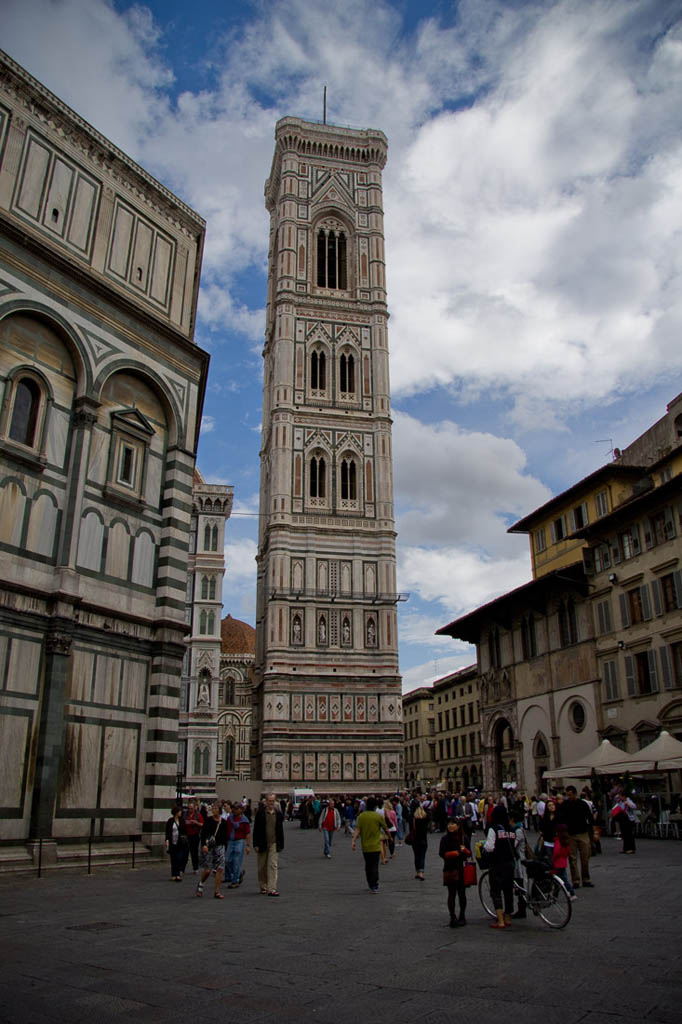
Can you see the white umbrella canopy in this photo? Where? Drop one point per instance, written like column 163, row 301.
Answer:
column 598, row 759
column 663, row 754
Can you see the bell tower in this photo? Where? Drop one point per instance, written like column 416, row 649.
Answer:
column 327, row 685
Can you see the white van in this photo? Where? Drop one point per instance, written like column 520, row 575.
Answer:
column 297, row 796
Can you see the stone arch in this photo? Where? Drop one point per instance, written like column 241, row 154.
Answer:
column 174, row 421
column 502, row 746
column 64, row 331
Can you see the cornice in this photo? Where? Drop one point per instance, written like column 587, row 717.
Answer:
column 42, row 107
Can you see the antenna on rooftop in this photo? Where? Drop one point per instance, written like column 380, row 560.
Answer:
column 324, row 105
column 606, row 440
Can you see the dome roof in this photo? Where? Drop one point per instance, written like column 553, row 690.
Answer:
column 237, row 637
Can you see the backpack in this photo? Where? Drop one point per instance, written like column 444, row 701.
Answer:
column 482, row 855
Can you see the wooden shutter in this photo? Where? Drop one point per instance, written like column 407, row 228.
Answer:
column 666, row 668
column 624, row 610
column 669, row 524
column 653, row 674
column 658, row 596
column 630, row 675
column 677, row 583
column 646, row 603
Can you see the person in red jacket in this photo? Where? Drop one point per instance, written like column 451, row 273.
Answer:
column 560, row 855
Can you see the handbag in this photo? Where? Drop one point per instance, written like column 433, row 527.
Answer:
column 409, row 838
column 469, row 874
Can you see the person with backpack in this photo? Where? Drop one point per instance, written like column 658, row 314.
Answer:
column 500, row 845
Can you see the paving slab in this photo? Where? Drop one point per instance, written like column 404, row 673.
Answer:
column 123, row 945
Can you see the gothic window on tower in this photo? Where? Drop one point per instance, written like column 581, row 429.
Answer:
column 318, row 373
column 317, row 483
column 332, row 269
column 210, row 537
column 347, row 375
column 349, row 483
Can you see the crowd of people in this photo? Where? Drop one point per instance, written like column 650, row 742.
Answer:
column 567, row 836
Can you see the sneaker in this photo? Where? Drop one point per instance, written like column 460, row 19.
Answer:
column 573, row 897
column 374, row 889
column 264, row 892
column 586, row 885
column 273, row 892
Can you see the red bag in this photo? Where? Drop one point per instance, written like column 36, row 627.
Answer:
column 469, row 874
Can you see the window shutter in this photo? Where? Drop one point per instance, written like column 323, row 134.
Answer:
column 583, row 510
column 588, row 561
column 607, row 616
column 630, row 674
column 648, row 534
column 658, row 597
column 677, row 583
column 646, row 603
column 571, row 519
column 634, row 534
column 624, row 611
column 666, row 668
column 653, row 674
column 615, row 553
column 552, row 533
column 600, row 615
column 669, row 524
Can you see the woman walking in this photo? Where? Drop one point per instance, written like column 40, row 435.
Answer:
column 454, row 852
column 420, row 826
column 623, row 812
column 176, row 843
column 213, row 842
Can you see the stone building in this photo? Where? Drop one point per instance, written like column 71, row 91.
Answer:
column 198, row 747
column 102, row 388
column 328, row 702
column 419, row 731
column 238, row 648
column 589, row 648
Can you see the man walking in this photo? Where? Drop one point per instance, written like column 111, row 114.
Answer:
column 368, row 827
column 268, row 840
column 577, row 817
column 330, row 822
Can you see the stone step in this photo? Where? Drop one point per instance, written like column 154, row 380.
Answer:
column 19, row 859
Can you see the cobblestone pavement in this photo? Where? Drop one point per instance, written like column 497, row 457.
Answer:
column 123, row 945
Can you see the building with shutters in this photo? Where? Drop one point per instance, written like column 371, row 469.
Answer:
column 328, row 694
column 591, row 647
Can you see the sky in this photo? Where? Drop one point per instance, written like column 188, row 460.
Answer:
column 533, row 218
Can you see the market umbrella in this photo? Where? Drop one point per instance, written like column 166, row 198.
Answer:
column 598, row 759
column 664, row 754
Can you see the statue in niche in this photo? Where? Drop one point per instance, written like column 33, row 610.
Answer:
column 371, row 633
column 322, row 631
column 204, row 697
column 345, row 631
column 297, row 630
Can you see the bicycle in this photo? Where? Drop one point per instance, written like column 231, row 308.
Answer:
column 546, row 895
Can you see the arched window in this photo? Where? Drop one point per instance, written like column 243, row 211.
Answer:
column 27, row 396
column 331, row 259
column 347, row 374
column 210, row 624
column 528, row 637
column 318, row 477
column 229, row 690
column 349, row 488
column 228, row 763
column 208, row 588
column 494, row 657
column 204, row 588
column 318, row 371
column 202, row 622
column 201, row 759
column 214, row 538
column 207, row 537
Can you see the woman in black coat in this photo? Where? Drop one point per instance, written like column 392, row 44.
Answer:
column 454, row 850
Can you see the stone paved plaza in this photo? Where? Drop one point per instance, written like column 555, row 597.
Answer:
column 123, row 945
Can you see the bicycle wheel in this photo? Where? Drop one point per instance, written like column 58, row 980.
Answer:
column 484, row 894
column 549, row 898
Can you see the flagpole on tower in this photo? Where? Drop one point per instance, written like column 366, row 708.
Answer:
column 324, row 105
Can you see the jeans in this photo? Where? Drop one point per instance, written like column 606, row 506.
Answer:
column 235, row 856
column 563, row 875
column 372, row 869
column 328, row 836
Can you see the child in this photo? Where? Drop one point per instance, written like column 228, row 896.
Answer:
column 560, row 854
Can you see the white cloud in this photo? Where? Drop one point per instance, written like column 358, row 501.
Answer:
column 240, row 561
column 428, row 673
column 457, row 486
column 207, row 427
